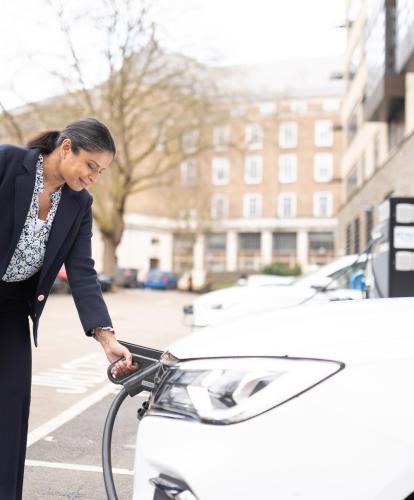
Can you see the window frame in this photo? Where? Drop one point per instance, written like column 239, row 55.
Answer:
column 280, row 205
column 294, row 175
column 214, row 169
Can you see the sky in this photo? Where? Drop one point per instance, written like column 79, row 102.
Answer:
column 225, row 32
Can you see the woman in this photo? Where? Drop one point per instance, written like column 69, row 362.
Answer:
column 45, row 221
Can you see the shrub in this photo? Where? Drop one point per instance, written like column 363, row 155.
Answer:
column 282, row 269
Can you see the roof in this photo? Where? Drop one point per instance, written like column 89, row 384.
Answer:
column 294, row 77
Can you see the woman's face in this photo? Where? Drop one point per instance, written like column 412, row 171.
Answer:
column 81, row 170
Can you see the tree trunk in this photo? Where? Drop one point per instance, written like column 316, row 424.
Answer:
column 109, row 256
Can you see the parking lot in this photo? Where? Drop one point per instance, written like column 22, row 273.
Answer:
column 71, row 395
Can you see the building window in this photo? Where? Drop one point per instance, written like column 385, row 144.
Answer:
column 322, row 204
column 351, row 181
column 183, row 244
column 249, row 242
column 254, row 136
column 352, row 125
column 189, row 142
column 219, row 207
column 288, row 168
column 348, row 239
column 220, row 171
column 249, row 258
column 221, row 137
column 330, row 105
column 356, row 236
column 321, row 248
column 323, row 167
column 299, row 107
column 216, row 252
column 253, row 168
column 252, row 205
column 369, row 224
column 323, row 133
column 284, row 242
column 189, row 172
column 321, row 243
column 287, row 205
column 396, row 127
column 288, row 135
column 376, row 152
column 268, row 108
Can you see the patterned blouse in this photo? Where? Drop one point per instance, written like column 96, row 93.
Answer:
column 31, row 247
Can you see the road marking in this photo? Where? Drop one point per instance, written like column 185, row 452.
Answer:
column 76, row 376
column 72, row 412
column 77, row 467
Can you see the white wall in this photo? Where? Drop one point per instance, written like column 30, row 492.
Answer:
column 136, row 249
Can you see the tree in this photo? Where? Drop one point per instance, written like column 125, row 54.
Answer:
column 158, row 105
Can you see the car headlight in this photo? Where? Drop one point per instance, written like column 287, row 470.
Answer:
column 230, row 390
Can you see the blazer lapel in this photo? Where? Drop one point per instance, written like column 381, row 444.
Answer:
column 23, row 192
column 66, row 214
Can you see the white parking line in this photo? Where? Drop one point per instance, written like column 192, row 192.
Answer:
column 77, row 467
column 72, row 412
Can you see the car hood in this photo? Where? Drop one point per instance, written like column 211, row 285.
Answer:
column 346, row 331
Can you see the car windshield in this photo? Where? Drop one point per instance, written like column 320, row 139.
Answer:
column 340, row 270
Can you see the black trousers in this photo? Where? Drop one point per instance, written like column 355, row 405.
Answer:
column 15, row 383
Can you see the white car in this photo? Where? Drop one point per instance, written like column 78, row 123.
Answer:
column 265, row 280
column 330, row 282
column 315, row 404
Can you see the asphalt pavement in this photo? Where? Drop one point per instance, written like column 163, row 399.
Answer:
column 71, row 395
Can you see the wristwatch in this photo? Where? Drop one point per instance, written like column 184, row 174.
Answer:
column 107, row 328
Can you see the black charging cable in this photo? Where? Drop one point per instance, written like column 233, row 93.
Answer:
column 132, row 385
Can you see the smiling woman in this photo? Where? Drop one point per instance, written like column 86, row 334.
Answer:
column 46, row 221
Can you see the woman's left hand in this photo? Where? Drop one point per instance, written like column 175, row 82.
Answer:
column 114, row 350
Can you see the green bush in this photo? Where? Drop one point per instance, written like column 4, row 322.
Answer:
column 282, row 269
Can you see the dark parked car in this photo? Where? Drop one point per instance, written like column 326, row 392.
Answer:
column 61, row 284
column 126, row 277
column 105, row 281
column 161, row 280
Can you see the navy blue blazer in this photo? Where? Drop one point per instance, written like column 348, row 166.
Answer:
column 69, row 240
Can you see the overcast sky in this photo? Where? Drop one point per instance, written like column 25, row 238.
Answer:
column 228, row 32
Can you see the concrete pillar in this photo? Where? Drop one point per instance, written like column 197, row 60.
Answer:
column 231, row 251
column 302, row 244
column 198, row 253
column 266, row 247
column 409, row 103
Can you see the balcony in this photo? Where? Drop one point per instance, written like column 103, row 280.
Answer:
column 405, row 36
column 385, row 88
column 385, row 99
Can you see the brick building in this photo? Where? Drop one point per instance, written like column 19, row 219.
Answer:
column 267, row 190
column 377, row 115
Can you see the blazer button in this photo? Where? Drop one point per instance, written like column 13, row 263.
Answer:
column 41, row 298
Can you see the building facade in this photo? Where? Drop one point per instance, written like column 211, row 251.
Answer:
column 268, row 189
column 377, row 115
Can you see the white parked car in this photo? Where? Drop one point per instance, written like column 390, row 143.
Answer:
column 265, row 280
column 314, row 403
column 330, row 282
